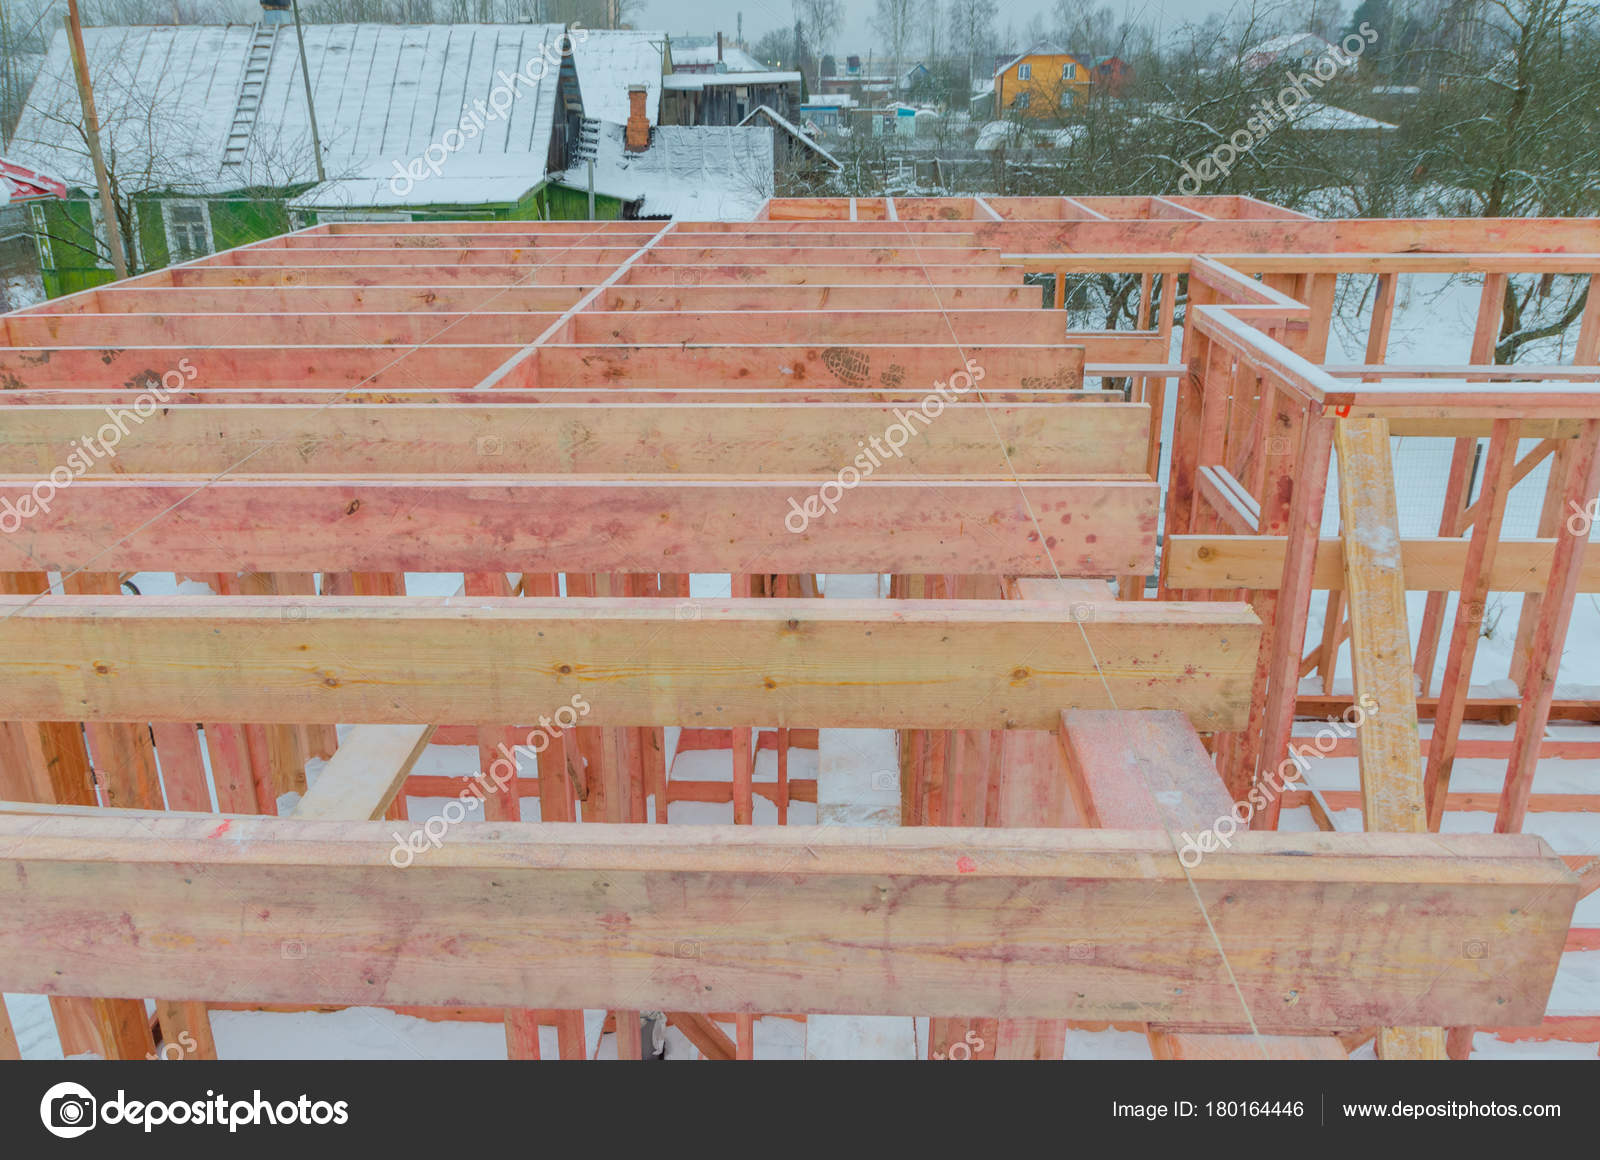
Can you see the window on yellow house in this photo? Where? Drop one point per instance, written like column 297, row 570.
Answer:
column 1069, row 71
column 1021, row 102
column 1066, row 100
column 1024, row 72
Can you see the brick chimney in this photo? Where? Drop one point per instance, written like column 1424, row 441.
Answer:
column 637, row 135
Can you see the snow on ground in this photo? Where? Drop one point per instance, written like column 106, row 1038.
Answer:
column 20, row 290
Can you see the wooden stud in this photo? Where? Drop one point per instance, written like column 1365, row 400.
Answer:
column 1380, row 648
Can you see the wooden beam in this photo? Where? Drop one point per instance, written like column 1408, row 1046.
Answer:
column 304, row 524
column 1256, row 562
column 699, row 1029
column 365, row 772
column 764, row 327
column 1193, row 1045
column 312, row 328
column 345, row 366
column 1140, row 771
column 595, row 438
column 878, row 922
column 1006, row 367
column 1468, row 626
column 1149, row 771
column 1578, row 493
column 8, row 1036
column 1380, row 644
column 794, row 662
column 1230, row 501
column 1380, row 649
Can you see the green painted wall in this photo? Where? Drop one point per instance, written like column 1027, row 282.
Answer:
column 573, row 205
column 239, row 220
column 72, row 264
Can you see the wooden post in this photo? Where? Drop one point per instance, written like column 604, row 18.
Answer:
column 91, row 133
column 1550, row 632
column 1467, row 631
column 1458, row 491
column 1380, row 650
column 1292, row 608
column 311, row 108
column 1552, row 516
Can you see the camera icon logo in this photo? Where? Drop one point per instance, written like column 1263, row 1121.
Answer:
column 68, row 1110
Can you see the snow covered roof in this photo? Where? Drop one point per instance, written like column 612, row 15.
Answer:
column 700, row 55
column 608, row 62
column 692, row 81
column 767, row 113
column 694, row 173
column 19, row 183
column 483, row 180
column 1317, row 118
column 168, row 97
column 1296, row 46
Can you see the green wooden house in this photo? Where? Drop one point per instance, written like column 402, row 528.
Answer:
column 209, row 144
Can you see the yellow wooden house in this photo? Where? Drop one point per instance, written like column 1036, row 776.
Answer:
column 1042, row 82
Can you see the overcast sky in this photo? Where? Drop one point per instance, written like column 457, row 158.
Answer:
column 704, row 17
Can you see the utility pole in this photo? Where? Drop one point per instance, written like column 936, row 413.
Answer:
column 311, row 108
column 91, row 130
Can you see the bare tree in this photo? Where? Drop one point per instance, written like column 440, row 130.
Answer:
column 1511, row 128
column 818, row 19
column 972, row 25
column 151, row 153
column 928, row 13
column 894, row 21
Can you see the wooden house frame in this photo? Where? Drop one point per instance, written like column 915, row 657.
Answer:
column 574, row 417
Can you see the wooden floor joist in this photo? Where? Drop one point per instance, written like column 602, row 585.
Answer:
column 641, row 524
column 869, row 920
column 496, row 438
column 850, row 664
